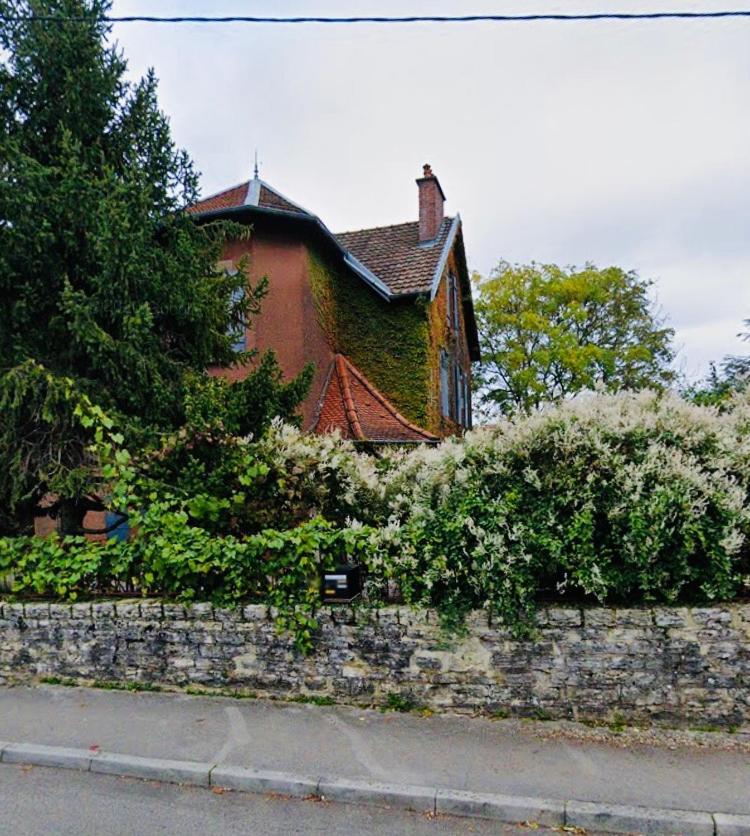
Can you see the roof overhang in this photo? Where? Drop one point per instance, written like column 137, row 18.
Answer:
column 453, row 240
column 356, row 266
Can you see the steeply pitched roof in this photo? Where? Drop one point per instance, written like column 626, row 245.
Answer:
column 254, row 192
column 390, row 259
column 396, row 256
column 351, row 404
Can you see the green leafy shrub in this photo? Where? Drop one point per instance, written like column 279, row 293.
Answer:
column 235, row 485
column 172, row 559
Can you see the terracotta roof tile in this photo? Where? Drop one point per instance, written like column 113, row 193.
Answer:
column 237, row 196
column 270, row 199
column 396, row 256
column 222, row 200
column 354, row 406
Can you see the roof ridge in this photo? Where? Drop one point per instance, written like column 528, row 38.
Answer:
column 223, row 191
column 346, row 393
column 345, row 362
column 386, row 226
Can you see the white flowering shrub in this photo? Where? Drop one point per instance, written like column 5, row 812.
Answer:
column 317, row 475
column 623, row 498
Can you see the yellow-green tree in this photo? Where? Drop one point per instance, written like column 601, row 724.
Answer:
column 547, row 332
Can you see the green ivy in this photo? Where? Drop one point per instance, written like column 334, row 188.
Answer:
column 387, row 341
column 172, row 559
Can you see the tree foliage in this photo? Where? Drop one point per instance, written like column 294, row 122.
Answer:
column 732, row 375
column 547, row 332
column 105, row 281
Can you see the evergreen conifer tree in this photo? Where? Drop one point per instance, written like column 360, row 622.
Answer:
column 108, row 290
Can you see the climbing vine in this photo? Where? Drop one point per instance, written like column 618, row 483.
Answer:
column 387, row 341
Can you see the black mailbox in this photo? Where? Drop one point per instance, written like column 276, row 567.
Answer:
column 342, row 585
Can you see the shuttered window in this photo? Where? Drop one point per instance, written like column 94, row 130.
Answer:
column 445, row 383
column 452, row 302
column 460, row 395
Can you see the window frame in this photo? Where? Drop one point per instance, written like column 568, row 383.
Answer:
column 453, row 302
column 445, row 384
column 240, row 344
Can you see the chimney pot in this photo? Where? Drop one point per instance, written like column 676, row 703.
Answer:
column 431, row 202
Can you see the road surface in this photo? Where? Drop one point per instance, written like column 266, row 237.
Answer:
column 36, row 801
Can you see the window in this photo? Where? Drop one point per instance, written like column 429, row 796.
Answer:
column 467, row 402
column 454, row 319
column 118, row 525
column 460, row 395
column 445, row 384
column 238, row 344
column 463, row 398
column 455, row 392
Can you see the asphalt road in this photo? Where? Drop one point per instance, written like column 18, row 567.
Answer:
column 35, row 801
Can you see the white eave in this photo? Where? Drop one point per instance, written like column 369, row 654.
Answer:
column 365, row 273
column 447, row 246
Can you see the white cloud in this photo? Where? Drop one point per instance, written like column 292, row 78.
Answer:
column 624, row 143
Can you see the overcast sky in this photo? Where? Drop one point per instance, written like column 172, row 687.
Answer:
column 617, row 143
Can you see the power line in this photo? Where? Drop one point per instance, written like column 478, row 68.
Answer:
column 527, row 18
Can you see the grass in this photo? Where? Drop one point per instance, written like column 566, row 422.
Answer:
column 617, row 724
column 109, row 685
column 713, row 729
column 231, row 693
column 397, row 702
column 59, row 680
column 312, row 699
column 102, row 684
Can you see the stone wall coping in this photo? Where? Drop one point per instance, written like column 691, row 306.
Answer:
column 553, row 617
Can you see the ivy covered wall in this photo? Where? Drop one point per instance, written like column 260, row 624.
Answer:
column 388, row 342
column 443, row 336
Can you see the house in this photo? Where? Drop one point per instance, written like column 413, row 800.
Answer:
column 385, row 315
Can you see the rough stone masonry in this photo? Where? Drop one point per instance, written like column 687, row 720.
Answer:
column 684, row 666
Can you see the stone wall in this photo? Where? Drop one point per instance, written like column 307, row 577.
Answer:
column 682, row 666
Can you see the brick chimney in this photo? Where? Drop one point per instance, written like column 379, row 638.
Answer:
column 431, row 199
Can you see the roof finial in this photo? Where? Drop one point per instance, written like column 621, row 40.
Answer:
column 255, row 168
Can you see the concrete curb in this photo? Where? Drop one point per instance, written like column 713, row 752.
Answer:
column 260, row 780
column 404, row 796
column 614, row 818
column 154, row 769
column 609, row 818
column 507, row 808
